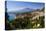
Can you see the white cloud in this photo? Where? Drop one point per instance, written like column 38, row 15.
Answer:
column 15, row 9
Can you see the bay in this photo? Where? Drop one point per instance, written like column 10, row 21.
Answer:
column 12, row 16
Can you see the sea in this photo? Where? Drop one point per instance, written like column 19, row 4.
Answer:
column 12, row 16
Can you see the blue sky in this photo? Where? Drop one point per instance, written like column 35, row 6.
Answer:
column 17, row 5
